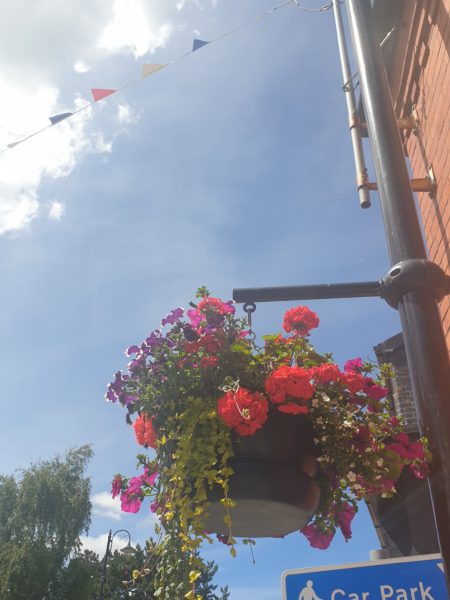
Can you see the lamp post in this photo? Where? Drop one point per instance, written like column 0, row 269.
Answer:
column 128, row 551
column 413, row 284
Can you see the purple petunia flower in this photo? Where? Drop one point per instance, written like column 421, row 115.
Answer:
column 127, row 399
column 111, row 395
column 173, row 317
column 132, row 350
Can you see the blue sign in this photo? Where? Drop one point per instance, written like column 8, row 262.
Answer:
column 408, row 578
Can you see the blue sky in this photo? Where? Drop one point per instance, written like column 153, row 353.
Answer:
column 230, row 168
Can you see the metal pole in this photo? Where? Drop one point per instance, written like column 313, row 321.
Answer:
column 425, row 344
column 354, row 124
column 321, row 291
column 105, row 562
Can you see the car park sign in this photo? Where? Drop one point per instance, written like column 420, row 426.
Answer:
column 408, row 578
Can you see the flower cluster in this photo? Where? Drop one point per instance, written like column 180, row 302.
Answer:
column 200, row 379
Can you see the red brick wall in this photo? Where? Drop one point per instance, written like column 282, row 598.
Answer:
column 420, row 76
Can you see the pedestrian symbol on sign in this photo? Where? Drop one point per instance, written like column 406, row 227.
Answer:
column 308, row 592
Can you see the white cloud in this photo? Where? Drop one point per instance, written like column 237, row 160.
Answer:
column 98, row 543
column 100, row 145
column 103, row 505
column 16, row 213
column 81, row 67
column 125, row 116
column 182, row 3
column 133, row 29
column 37, row 42
column 56, row 210
column 148, row 523
column 52, row 154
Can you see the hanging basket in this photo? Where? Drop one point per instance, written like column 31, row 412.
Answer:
column 273, row 483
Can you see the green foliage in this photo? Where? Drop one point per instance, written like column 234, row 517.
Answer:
column 43, row 511
column 141, row 575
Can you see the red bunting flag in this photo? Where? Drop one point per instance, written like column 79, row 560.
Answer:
column 99, row 94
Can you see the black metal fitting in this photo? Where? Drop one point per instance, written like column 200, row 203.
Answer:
column 413, row 275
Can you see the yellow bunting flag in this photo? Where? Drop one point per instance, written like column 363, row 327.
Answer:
column 150, row 68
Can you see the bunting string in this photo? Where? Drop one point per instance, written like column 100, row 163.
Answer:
column 99, row 94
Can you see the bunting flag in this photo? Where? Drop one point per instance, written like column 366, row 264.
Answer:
column 151, row 68
column 198, row 44
column 148, row 69
column 99, row 94
column 61, row 117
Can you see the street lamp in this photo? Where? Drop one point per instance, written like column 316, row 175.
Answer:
column 128, row 551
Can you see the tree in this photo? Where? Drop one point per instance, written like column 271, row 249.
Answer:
column 43, row 511
column 120, row 584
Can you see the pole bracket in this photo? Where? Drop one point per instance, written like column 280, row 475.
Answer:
column 415, row 274
column 419, row 184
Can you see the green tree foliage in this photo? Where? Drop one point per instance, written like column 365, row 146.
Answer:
column 120, row 584
column 43, row 511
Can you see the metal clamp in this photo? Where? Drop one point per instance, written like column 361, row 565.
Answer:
column 415, row 274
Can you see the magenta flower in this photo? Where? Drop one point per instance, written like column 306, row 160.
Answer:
column 195, row 317
column 130, row 502
column 316, row 538
column 135, row 484
column 407, row 449
column 149, row 478
column 344, row 519
column 154, row 506
column 116, row 486
column 373, row 390
column 355, row 365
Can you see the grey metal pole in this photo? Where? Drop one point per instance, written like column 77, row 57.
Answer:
column 425, row 344
column 354, row 125
column 321, row 291
column 105, row 562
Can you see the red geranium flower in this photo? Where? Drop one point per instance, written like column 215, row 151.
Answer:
column 289, row 381
column 301, row 320
column 244, row 411
column 327, row 373
column 354, row 382
column 144, row 432
column 208, row 362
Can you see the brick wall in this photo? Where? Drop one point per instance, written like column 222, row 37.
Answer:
column 392, row 351
column 420, row 76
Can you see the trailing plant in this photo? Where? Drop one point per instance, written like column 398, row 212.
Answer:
column 202, row 379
